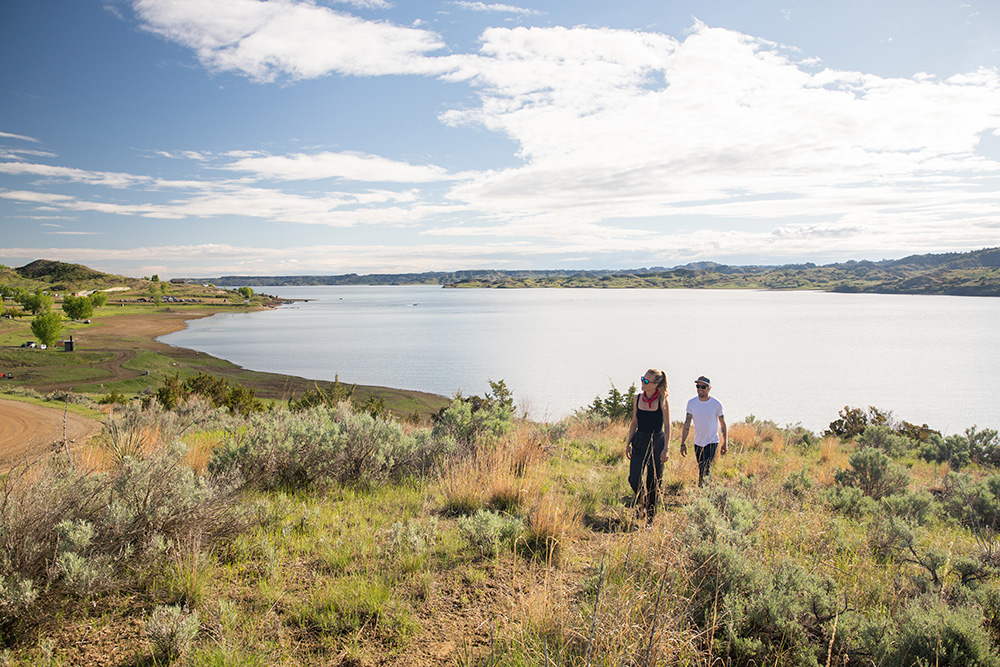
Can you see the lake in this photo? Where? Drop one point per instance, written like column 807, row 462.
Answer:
column 791, row 357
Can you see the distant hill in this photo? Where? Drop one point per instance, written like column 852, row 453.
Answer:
column 52, row 275
column 975, row 273
column 49, row 271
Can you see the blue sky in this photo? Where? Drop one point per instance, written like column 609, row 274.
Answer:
column 196, row 138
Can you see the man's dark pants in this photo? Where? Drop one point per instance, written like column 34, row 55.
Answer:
column 704, row 456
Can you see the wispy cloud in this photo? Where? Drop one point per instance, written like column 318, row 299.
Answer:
column 495, row 8
column 350, row 166
column 19, row 137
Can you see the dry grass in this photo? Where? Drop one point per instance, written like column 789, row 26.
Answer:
column 553, row 522
column 200, row 448
column 743, row 436
column 497, row 476
column 832, row 458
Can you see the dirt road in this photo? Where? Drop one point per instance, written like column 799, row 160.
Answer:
column 28, row 430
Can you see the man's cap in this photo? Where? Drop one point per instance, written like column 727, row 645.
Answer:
column 703, row 380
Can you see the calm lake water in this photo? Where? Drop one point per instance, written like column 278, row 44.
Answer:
column 791, row 357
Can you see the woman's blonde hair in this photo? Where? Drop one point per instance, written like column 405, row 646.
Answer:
column 661, row 382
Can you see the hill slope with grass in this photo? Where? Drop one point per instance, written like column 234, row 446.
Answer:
column 326, row 535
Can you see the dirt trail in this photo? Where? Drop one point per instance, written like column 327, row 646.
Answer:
column 28, row 430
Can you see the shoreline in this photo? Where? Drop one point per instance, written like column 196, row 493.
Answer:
column 125, row 355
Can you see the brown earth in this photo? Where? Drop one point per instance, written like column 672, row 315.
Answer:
column 27, row 430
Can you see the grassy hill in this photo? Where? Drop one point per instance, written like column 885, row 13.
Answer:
column 331, row 537
column 56, row 276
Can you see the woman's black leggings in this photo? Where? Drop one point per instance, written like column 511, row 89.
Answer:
column 646, row 451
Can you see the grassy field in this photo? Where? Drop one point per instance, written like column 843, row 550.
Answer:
column 487, row 540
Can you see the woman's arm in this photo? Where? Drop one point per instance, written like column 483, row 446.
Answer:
column 666, row 429
column 632, row 428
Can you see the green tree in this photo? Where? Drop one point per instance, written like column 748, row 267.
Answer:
column 172, row 392
column 247, row 292
column 78, row 307
column 47, row 327
column 99, row 299
column 36, row 302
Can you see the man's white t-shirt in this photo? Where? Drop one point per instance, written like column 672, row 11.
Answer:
column 705, row 416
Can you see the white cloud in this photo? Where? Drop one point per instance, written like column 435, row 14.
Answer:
column 367, row 4
column 495, row 8
column 19, row 137
column 288, row 38
column 615, row 125
column 109, row 179
column 345, row 166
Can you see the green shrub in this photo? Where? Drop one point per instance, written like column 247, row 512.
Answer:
column 773, row 613
column 881, row 437
column 616, row 406
column 974, row 503
column 850, row 501
column 320, row 446
column 413, row 536
column 953, row 450
column 873, row 473
column 984, row 446
column 798, row 484
column 723, row 514
column 85, row 533
column 467, row 420
column 17, row 594
column 852, row 422
column 330, row 396
column 83, row 571
column 489, row 531
column 933, row 635
column 171, row 630
column 113, row 398
column 916, row 508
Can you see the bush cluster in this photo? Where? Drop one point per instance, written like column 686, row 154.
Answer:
column 468, row 420
column 320, row 446
column 616, row 406
column 66, row 531
column 238, row 399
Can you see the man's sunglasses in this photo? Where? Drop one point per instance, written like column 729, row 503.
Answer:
column 701, row 386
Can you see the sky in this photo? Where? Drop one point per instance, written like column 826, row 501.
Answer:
column 200, row 138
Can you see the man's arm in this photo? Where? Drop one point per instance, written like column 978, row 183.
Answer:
column 684, row 433
column 724, row 432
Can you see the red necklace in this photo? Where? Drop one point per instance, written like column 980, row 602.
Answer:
column 649, row 401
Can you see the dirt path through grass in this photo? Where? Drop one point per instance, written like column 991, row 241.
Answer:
column 28, row 430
